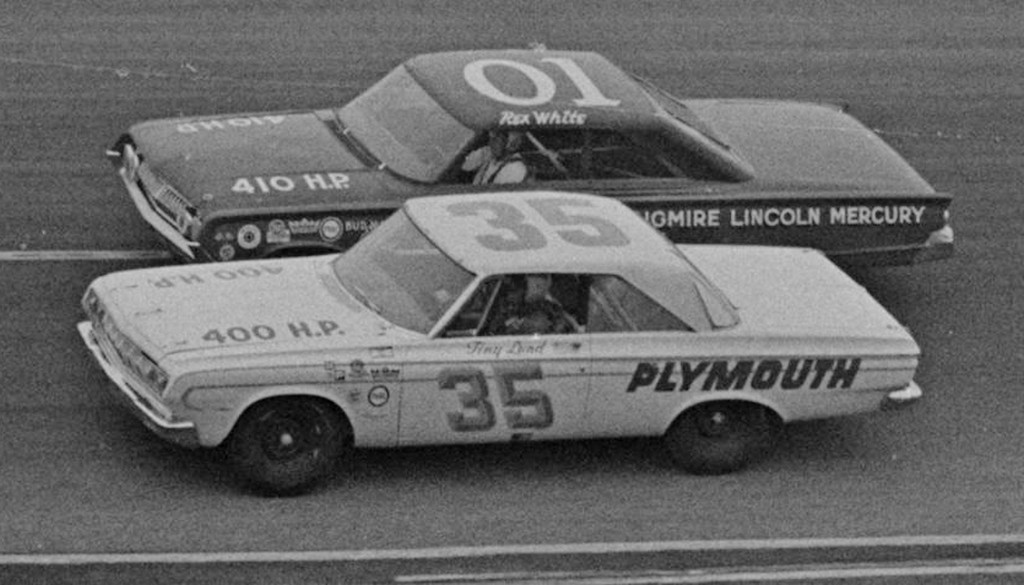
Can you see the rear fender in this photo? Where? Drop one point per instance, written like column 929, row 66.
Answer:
column 780, row 414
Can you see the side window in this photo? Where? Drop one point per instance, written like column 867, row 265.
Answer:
column 538, row 304
column 561, row 154
column 554, row 155
column 523, row 304
column 615, row 305
column 615, row 156
column 550, row 155
column 470, row 319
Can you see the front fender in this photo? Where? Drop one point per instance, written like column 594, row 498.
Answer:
column 216, row 410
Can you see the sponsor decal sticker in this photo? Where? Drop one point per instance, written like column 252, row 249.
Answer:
column 378, row 396
column 303, row 226
column 249, row 236
column 360, row 225
column 277, row 232
column 331, row 229
column 385, row 373
column 335, row 372
column 358, row 370
column 226, row 252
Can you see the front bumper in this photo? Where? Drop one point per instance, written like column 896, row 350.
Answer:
column 938, row 246
column 137, row 400
column 900, row 398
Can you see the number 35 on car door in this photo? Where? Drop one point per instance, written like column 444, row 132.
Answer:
column 497, row 389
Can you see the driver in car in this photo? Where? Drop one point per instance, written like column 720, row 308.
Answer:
column 531, row 309
column 500, row 161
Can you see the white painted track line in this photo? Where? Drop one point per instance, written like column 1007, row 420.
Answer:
column 816, row 574
column 510, row 550
column 81, row 255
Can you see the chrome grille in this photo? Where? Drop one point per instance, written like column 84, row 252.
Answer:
column 167, row 202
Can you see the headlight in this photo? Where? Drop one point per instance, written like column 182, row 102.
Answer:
column 151, row 373
column 91, row 304
column 130, row 355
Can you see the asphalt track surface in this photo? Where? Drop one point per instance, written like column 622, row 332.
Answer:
column 942, row 81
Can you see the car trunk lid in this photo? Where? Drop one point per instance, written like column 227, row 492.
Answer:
column 796, row 292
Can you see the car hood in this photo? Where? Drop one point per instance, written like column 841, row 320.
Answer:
column 796, row 292
column 803, row 143
column 250, row 308
column 247, row 160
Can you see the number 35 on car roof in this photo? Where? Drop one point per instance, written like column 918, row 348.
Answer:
column 516, row 233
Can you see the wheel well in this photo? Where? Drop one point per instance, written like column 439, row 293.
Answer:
column 719, row 436
column 774, row 418
column 339, row 413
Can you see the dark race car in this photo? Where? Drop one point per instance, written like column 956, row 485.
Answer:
column 736, row 171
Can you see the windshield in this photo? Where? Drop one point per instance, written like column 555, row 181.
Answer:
column 397, row 272
column 405, row 128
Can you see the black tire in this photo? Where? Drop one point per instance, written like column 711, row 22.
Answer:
column 285, row 446
column 719, row 437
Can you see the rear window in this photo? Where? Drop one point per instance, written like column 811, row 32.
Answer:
column 615, row 305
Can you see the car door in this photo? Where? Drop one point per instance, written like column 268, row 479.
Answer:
column 470, row 385
column 636, row 345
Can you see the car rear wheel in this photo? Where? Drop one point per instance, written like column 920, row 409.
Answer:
column 720, row 437
column 285, row 446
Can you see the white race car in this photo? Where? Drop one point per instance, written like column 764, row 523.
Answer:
column 489, row 318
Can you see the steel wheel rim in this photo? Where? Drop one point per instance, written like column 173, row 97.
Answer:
column 283, row 436
column 717, row 423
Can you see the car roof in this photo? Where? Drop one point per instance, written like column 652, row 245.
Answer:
column 544, row 232
column 575, row 75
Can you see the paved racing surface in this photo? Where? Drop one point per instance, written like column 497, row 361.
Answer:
column 941, row 81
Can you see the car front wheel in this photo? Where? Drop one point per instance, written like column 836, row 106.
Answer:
column 285, row 446
column 720, row 437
